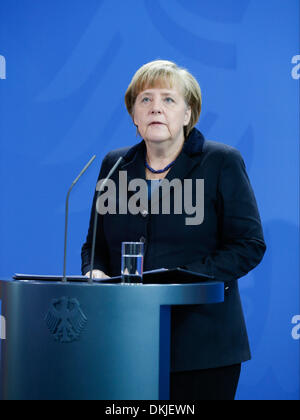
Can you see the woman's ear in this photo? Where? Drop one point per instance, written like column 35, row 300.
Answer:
column 133, row 116
column 187, row 116
column 134, row 120
column 136, row 126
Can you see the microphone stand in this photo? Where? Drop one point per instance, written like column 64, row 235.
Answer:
column 96, row 217
column 64, row 280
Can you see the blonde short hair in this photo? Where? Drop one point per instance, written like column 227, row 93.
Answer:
column 162, row 73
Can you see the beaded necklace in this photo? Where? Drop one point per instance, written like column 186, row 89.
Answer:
column 160, row 171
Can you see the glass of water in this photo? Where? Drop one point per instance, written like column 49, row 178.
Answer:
column 132, row 262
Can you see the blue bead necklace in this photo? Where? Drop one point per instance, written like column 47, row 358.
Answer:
column 160, row 171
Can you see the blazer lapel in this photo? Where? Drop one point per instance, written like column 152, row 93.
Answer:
column 183, row 166
column 185, row 163
column 188, row 158
column 135, row 169
column 134, row 162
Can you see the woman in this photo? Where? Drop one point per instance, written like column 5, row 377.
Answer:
column 209, row 342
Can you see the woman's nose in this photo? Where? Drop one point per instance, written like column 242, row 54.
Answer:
column 156, row 106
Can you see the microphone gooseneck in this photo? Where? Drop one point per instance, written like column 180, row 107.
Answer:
column 67, row 214
column 96, row 216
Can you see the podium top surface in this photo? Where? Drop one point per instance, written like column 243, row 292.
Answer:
column 163, row 294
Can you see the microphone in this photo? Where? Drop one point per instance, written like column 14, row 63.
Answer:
column 104, row 182
column 64, row 279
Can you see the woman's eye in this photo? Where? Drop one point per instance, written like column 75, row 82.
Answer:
column 169, row 100
column 146, row 99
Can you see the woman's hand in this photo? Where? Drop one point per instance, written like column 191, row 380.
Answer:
column 97, row 274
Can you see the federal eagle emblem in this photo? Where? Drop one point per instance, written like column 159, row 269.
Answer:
column 65, row 320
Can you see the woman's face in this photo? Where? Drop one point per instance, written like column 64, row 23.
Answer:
column 160, row 114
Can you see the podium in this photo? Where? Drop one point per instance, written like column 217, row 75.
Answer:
column 100, row 341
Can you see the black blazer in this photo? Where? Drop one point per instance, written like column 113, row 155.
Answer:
column 228, row 244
